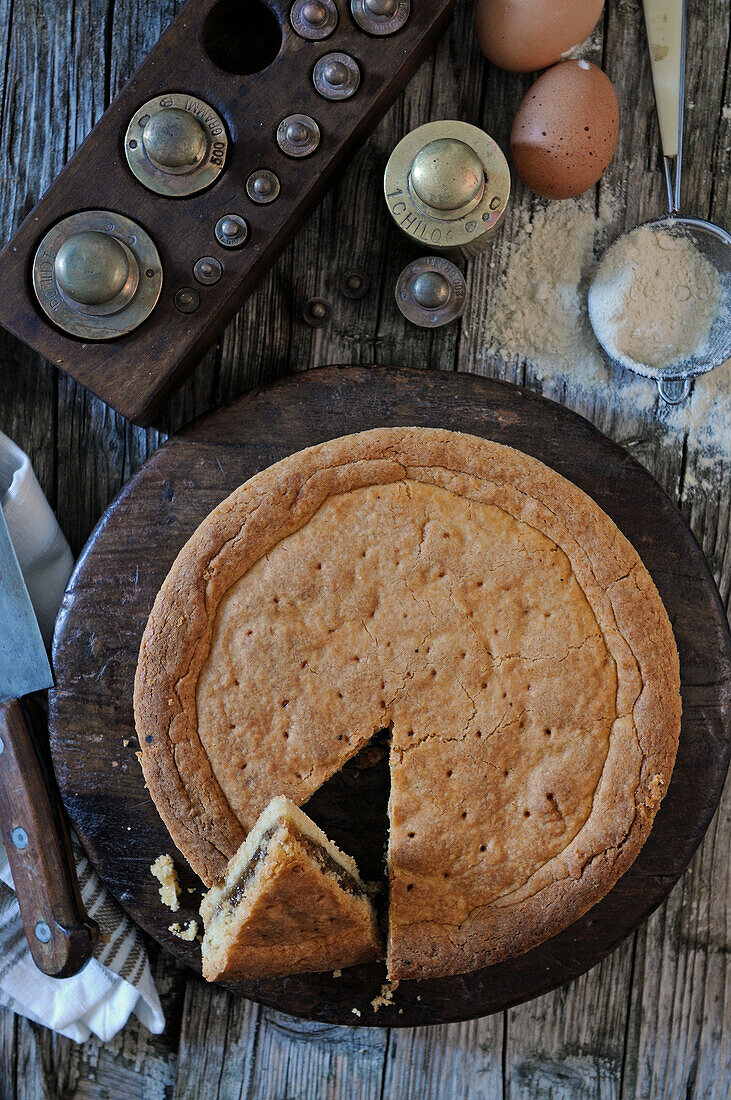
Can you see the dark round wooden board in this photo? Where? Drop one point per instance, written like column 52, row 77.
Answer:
column 130, row 552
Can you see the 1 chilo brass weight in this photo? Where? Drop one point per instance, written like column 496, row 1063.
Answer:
column 96, row 270
column 97, row 275
column 447, row 185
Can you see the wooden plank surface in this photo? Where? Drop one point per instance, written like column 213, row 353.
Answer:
column 653, row 1019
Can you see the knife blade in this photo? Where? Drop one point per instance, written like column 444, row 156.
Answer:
column 24, row 665
column 59, row 933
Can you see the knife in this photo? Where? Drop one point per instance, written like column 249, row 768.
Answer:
column 60, row 935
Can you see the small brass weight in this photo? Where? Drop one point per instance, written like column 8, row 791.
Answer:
column 431, row 292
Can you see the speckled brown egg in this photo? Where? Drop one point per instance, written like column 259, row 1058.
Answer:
column 525, row 35
column 565, row 132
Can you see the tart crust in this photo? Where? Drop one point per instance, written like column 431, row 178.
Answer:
column 473, row 600
column 291, row 903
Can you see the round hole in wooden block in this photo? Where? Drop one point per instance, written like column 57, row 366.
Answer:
column 242, row 36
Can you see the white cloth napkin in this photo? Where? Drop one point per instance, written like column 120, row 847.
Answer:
column 117, row 981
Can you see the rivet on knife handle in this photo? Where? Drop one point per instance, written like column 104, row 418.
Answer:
column 60, row 935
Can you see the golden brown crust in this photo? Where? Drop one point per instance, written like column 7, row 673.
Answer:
column 616, row 701
column 294, row 918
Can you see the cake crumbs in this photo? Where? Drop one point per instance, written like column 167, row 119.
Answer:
column 356, row 1011
column 188, row 933
column 337, row 973
column 385, row 997
column 654, row 795
column 125, row 741
column 538, row 312
column 164, row 871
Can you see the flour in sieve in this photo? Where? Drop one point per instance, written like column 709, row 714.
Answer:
column 654, row 299
column 537, row 314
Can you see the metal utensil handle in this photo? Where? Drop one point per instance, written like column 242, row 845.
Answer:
column 665, row 21
column 674, row 391
column 59, row 933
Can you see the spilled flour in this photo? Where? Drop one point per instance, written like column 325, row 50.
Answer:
column 538, row 314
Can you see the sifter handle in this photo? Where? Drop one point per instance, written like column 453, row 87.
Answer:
column 665, row 21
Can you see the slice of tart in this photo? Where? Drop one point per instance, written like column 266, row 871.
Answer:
column 291, row 902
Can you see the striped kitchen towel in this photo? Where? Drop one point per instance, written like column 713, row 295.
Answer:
column 117, row 981
column 112, row 985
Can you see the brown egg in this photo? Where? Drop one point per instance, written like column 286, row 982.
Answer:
column 525, row 35
column 565, row 132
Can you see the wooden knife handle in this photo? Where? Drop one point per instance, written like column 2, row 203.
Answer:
column 60, row 935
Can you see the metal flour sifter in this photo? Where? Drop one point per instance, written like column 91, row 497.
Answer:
column 666, row 33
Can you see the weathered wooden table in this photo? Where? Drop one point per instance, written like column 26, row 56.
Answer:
column 653, row 1020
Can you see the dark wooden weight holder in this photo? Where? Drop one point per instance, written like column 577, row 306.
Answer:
column 133, row 372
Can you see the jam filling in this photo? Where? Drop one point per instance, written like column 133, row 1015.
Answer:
column 315, row 851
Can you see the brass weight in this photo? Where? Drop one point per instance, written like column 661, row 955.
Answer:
column 97, row 275
column 431, row 292
column 447, row 186
column 176, row 145
column 380, row 17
